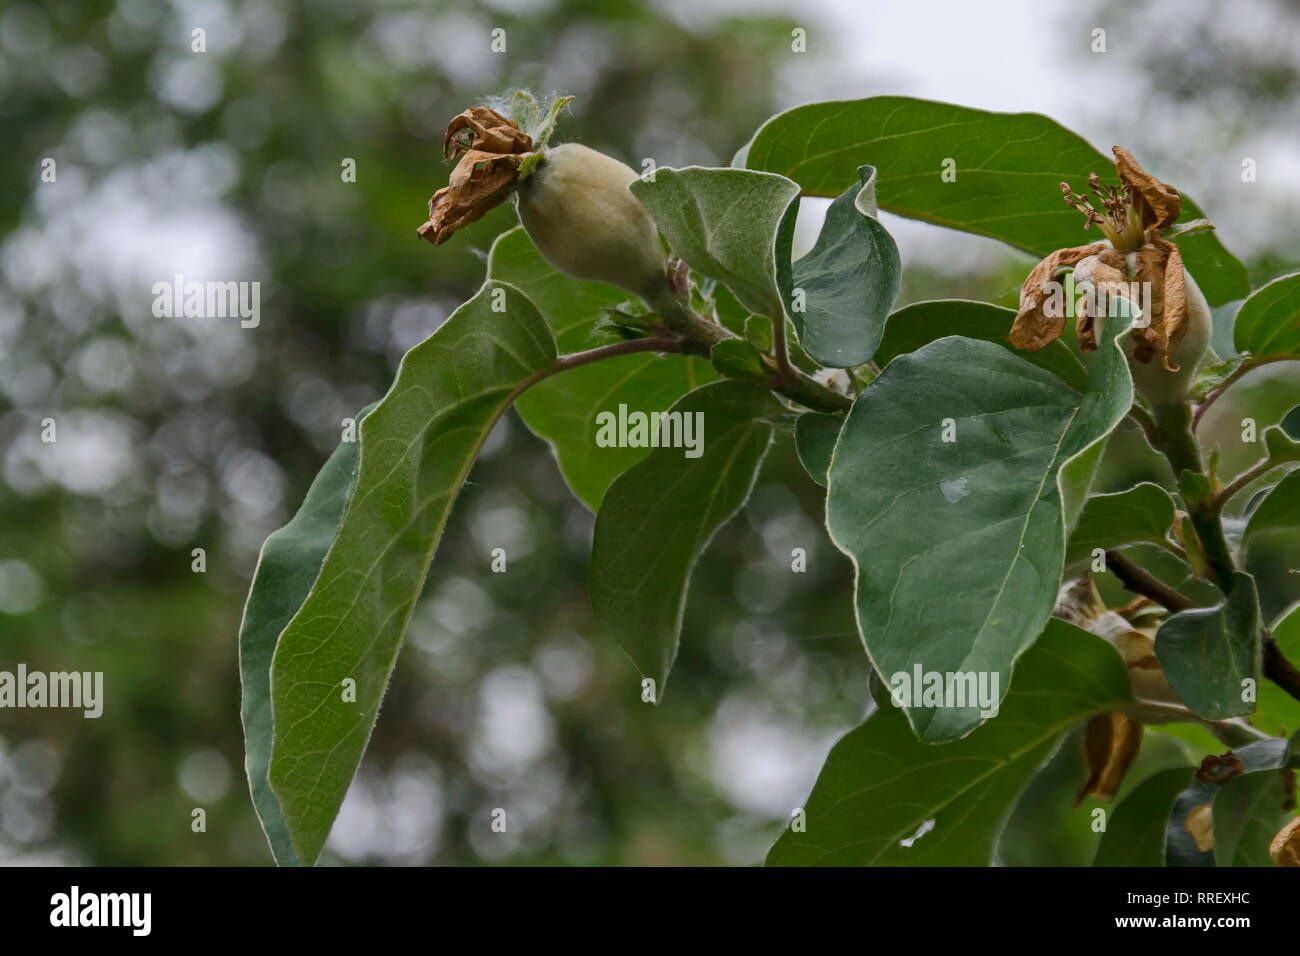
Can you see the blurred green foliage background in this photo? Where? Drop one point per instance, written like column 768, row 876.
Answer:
column 183, row 434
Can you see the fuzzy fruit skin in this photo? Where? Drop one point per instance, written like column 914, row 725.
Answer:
column 578, row 211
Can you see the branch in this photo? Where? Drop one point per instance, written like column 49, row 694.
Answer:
column 1280, row 670
column 1247, row 366
column 1141, row 581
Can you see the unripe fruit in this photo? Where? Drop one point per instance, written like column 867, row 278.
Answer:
column 585, row 222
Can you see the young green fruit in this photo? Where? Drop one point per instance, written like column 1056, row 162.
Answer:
column 585, row 222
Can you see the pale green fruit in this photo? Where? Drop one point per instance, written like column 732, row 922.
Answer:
column 577, row 208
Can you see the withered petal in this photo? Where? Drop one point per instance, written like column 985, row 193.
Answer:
column 1110, row 744
column 1160, row 266
column 486, row 130
column 1105, row 275
column 1033, row 329
column 479, row 183
column 1285, row 848
column 1200, row 825
column 1158, row 204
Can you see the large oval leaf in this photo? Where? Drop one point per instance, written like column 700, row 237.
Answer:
column 1268, row 323
column 1008, row 170
column 920, row 323
column 1144, row 512
column 290, row 561
column 840, row 293
column 659, row 517
column 881, row 787
column 1209, row 653
column 954, row 483
column 333, row 660
column 733, row 225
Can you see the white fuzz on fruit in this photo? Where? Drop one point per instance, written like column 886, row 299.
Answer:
column 585, row 222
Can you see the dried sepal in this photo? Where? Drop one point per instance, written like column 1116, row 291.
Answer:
column 1103, row 275
column 1200, row 824
column 1220, row 768
column 1158, row 204
column 1110, row 744
column 483, row 128
column 490, row 150
column 1285, row 848
column 1160, row 268
column 1034, row 329
column 479, row 183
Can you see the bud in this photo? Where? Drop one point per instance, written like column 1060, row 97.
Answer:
column 585, row 222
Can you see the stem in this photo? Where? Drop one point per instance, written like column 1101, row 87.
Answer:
column 1242, row 480
column 1178, row 443
column 656, row 343
column 780, row 349
column 1280, row 670
column 1141, row 581
column 697, row 336
column 1227, row 383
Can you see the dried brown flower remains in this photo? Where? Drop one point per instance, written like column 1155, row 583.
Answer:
column 1132, row 218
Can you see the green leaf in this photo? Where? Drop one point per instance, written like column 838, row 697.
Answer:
column 660, row 515
column 1135, row 832
column 417, row 448
column 1268, row 323
column 959, row 545
column 1008, row 168
column 815, row 435
column 923, row 322
column 1144, row 512
column 738, row 359
column 840, row 293
column 1247, row 809
column 563, row 409
column 1206, row 653
column 880, row 785
column 1279, row 510
column 733, row 225
column 290, row 561
column 1277, row 712
column 1050, row 828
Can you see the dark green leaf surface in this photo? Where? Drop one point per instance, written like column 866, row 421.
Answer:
column 417, row 447
column 1135, row 832
column 1268, row 323
column 659, row 517
column 880, row 785
column 563, row 409
column 733, row 225
column 1009, row 167
column 1277, row 712
column 1047, row 828
column 1206, row 653
column 1280, row 509
column 291, row 559
column 923, row 322
column 1144, row 512
column 847, row 283
column 959, row 545
column 815, row 435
